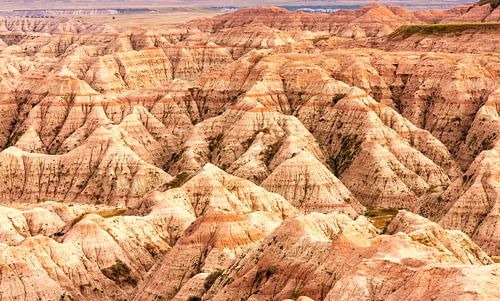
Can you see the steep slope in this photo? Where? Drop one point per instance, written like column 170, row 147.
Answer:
column 331, row 257
column 102, row 170
column 471, row 202
column 310, row 186
column 211, row 189
column 372, row 20
column 345, row 121
column 94, row 253
column 209, row 245
column 280, row 130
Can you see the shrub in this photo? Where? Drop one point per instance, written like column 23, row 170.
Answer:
column 179, row 180
column 349, row 149
column 295, row 295
column 271, row 151
column 58, row 234
column 211, row 279
column 119, row 273
column 338, row 97
column 270, row 271
column 177, row 156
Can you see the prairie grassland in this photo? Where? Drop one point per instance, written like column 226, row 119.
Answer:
column 406, row 31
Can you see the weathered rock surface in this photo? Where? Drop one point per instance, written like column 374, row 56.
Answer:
column 102, row 170
column 234, row 157
column 334, row 258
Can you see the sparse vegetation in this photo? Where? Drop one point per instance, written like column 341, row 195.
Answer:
column 65, row 297
column 13, row 139
column 177, row 156
column 152, row 249
column 338, row 97
column 211, row 279
column 494, row 3
column 214, row 143
column 179, row 179
column 120, row 273
column 320, row 38
column 423, row 240
column 271, row 151
column 58, row 234
column 380, row 212
column 349, row 149
column 381, row 217
column 229, row 281
column 486, row 144
column 247, row 143
column 235, row 97
column 110, row 213
column 440, row 199
column 271, row 270
column 295, row 295
column 106, row 213
column 259, row 276
column 407, row 31
column 78, row 219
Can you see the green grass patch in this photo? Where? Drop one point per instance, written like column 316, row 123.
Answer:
column 349, row 149
column 381, row 217
column 210, row 280
column 106, row 213
column 179, row 180
column 407, row 31
column 120, row 273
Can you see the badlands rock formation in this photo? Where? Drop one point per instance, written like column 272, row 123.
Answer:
column 235, row 158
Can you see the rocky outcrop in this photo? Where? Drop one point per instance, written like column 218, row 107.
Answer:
column 342, row 259
column 102, row 170
column 345, row 121
column 471, row 202
column 80, row 252
column 311, row 187
column 209, row 246
column 372, row 20
column 233, row 158
column 211, row 189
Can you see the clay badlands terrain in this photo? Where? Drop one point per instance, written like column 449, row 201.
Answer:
column 262, row 154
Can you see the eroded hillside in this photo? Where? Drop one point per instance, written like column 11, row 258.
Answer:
column 257, row 155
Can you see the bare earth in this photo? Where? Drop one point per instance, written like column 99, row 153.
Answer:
column 262, row 154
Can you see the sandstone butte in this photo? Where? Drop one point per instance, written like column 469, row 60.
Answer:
column 262, row 154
